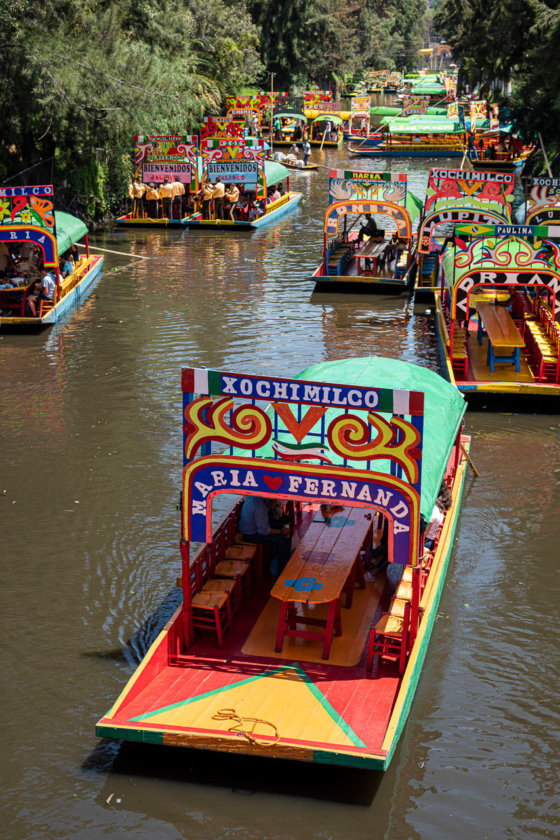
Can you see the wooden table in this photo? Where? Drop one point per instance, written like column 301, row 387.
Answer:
column 503, row 336
column 371, row 251
column 326, row 561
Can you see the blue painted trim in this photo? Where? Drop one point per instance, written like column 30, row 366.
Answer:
column 78, row 293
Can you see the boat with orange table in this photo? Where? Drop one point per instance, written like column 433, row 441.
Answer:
column 320, row 663
column 487, row 351
column 36, row 235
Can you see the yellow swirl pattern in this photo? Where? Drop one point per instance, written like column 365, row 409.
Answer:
column 205, row 421
column 395, row 440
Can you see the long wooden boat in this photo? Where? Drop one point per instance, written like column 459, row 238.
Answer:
column 452, row 196
column 275, row 665
column 30, row 217
column 272, row 213
column 488, row 351
column 419, row 136
column 352, row 266
column 310, row 167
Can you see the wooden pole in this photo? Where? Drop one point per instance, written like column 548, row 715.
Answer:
column 545, row 156
column 121, row 253
column 323, row 140
column 469, row 460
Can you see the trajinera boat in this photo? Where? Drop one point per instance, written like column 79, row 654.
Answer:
column 497, row 313
column 420, row 136
column 278, row 663
column 380, row 258
column 457, row 195
column 35, row 236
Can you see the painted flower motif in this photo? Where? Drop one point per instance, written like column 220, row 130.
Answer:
column 4, row 209
column 304, row 584
column 26, row 216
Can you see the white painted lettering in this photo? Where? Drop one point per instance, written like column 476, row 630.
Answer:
column 311, row 487
column 400, row 510
column 203, row 489
column 250, row 480
column 229, row 385
column 218, row 478
column 364, row 494
column 348, row 489
column 354, row 397
column 263, row 388
column 327, row 488
column 311, row 393
column 295, row 482
column 198, row 507
column 383, row 497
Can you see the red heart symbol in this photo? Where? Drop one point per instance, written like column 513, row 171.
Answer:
column 273, row 481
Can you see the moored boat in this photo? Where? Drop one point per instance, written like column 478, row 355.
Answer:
column 497, row 314
column 452, row 196
column 35, row 236
column 417, row 137
column 381, row 259
column 318, row 662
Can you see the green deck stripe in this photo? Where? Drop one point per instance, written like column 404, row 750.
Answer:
column 281, row 669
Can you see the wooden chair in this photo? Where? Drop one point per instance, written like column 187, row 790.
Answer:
column 229, row 585
column 231, row 569
column 388, row 639
column 211, row 610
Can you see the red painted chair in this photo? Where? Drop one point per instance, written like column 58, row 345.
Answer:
column 388, row 639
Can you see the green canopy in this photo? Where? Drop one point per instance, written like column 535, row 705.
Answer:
column 334, row 118
column 429, row 90
column 69, row 229
column 275, row 172
column 444, row 408
column 424, row 125
column 394, row 110
column 291, row 115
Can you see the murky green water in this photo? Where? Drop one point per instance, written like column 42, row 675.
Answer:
column 90, row 465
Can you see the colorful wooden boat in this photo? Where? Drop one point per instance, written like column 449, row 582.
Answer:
column 276, row 666
column 417, row 137
column 28, row 215
column 349, row 265
column 452, row 196
column 318, row 138
column 310, row 167
column 486, row 350
column 271, row 173
column 171, row 157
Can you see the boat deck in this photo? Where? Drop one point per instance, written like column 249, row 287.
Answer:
column 245, row 698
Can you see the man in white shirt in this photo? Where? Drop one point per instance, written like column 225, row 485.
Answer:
column 45, row 290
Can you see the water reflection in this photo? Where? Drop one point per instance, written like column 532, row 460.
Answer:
column 91, row 425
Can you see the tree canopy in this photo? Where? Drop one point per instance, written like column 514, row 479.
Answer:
column 80, row 77
column 507, row 41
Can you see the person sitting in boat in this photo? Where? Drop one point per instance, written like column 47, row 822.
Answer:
column 44, row 290
column 379, row 556
column 492, row 152
column 515, row 304
column 443, row 503
column 392, row 249
column 276, row 195
column 370, row 229
column 255, row 527
column 152, row 197
column 298, row 133
column 232, row 195
column 67, row 264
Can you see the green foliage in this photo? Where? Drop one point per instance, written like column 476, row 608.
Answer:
column 79, row 79
column 513, row 41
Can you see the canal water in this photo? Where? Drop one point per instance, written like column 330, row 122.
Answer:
column 90, row 473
